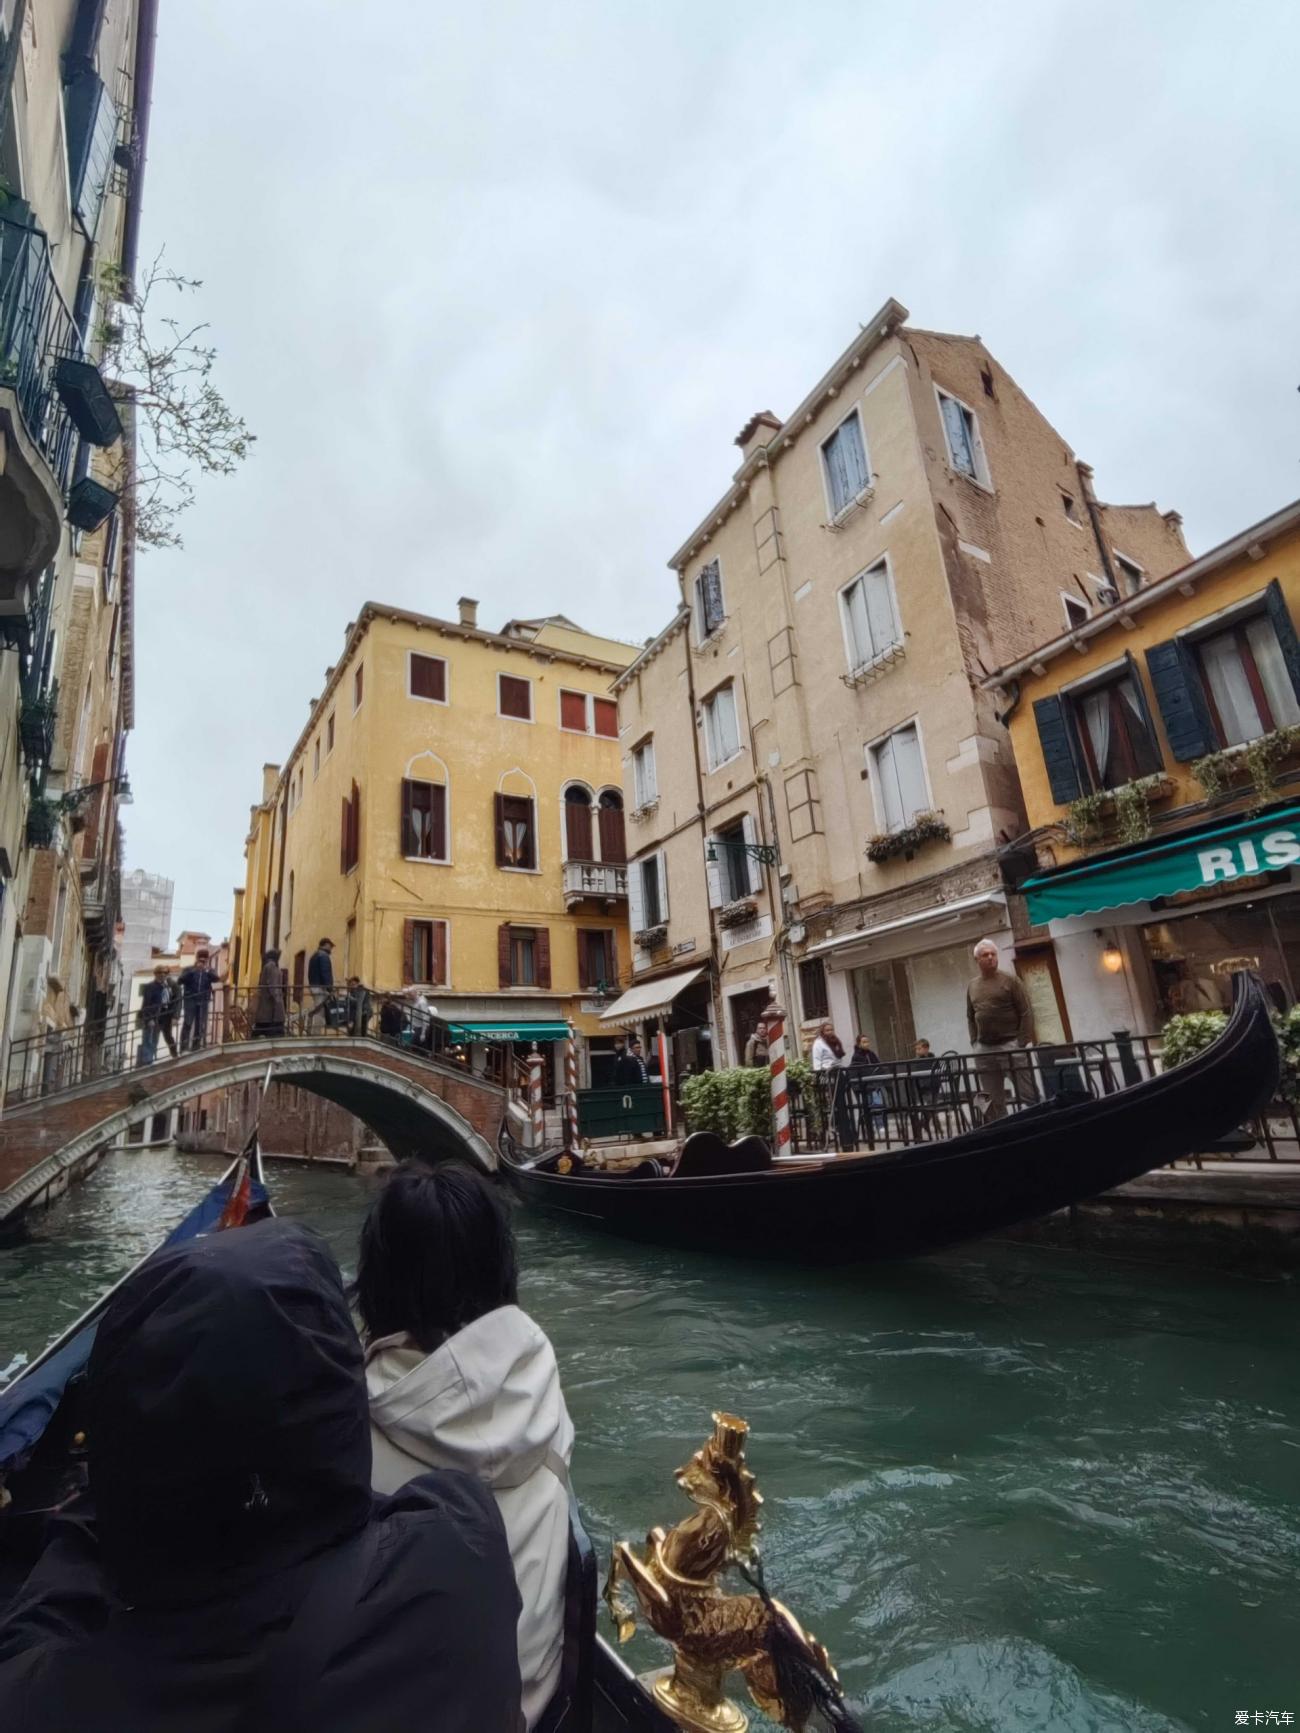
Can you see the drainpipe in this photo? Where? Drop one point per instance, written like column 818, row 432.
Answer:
column 1084, row 473
column 146, row 26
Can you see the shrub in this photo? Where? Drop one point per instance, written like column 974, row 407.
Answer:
column 733, row 1103
column 1185, row 1036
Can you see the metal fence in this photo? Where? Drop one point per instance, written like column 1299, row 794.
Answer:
column 36, row 331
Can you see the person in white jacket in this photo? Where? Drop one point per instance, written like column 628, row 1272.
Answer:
column 459, row 1377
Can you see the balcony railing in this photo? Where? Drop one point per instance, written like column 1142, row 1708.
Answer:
column 585, row 878
column 36, row 332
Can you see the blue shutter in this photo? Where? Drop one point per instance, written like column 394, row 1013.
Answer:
column 1055, row 735
column 1284, row 631
column 1176, row 682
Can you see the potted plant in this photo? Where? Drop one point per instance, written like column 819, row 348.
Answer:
column 739, row 913
column 925, row 827
column 650, row 938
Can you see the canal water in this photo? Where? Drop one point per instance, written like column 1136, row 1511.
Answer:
column 1011, row 1488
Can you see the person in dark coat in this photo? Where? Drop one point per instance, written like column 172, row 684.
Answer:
column 235, row 1574
column 154, row 999
column 320, row 981
column 630, row 1067
column 268, row 1003
column 196, row 984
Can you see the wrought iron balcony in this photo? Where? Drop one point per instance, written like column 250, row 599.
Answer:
column 37, row 720
column 586, row 878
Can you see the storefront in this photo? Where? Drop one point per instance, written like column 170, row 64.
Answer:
column 679, row 1004
column 1157, row 930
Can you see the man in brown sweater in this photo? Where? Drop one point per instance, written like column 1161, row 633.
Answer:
column 1000, row 1023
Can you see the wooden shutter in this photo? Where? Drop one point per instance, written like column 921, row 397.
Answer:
column 438, row 820
column 663, row 885
column 573, row 711
column 542, row 955
column 499, row 819
column 428, row 677
column 713, row 873
column 1285, row 631
column 515, row 697
column 408, row 825
column 577, row 829
column 584, row 958
column 408, row 952
column 344, row 831
column 504, row 971
column 1176, row 681
column 635, row 898
column 354, row 841
column 438, row 946
column 606, row 718
column 1056, row 737
column 613, row 836
column 608, row 961
column 530, row 852
column 94, row 824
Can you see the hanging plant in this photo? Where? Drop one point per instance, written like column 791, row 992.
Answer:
column 1083, row 818
column 1133, row 809
column 1213, row 772
column 1261, row 759
column 925, row 827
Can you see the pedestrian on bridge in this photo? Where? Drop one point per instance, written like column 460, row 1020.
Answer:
column 196, row 986
column 156, row 995
column 320, row 981
column 268, row 1006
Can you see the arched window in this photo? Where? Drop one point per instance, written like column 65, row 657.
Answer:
column 577, row 823
column 613, row 837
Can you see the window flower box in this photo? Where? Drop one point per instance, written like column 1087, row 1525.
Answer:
column 925, row 827
column 1125, row 811
column 1255, row 761
column 651, row 938
column 739, row 913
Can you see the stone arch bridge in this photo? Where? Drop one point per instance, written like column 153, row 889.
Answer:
column 414, row 1105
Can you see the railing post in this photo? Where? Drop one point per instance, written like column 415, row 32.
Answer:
column 1128, row 1065
column 779, row 1081
column 536, row 1112
column 570, row 1091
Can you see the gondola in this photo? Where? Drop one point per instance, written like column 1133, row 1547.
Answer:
column 908, row 1202
column 42, row 1461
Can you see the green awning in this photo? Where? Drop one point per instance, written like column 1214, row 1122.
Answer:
column 508, row 1031
column 1193, row 861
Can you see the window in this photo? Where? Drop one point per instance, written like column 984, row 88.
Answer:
column 812, row 989
column 350, row 837
column 1113, row 728
column 899, row 774
column 596, row 963
column 844, row 459
column 424, row 953
column 424, row 820
column 613, row 835
column 1248, row 685
column 573, row 712
column 315, row 760
column 514, row 697
column 870, row 622
column 357, row 685
column 329, row 735
column 721, row 731
column 516, row 833
column 426, row 677
column 288, row 909
column 1128, row 574
column 709, row 611
column 652, row 899
column 604, row 718
column 1076, row 611
column 523, row 957
column 1070, row 509
column 90, row 119
column 581, row 713
column 962, row 432
column 578, row 833
column 733, row 862
column 644, row 782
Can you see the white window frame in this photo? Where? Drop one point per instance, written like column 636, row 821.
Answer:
column 835, row 513
column 1133, row 566
column 983, row 476
column 537, row 827
column 855, row 666
column 360, row 669
column 446, row 677
column 433, row 859
column 330, row 733
column 1069, row 506
column 504, row 674
column 705, row 707
column 1069, row 601
column 438, row 921
column 697, row 602
column 873, row 773
column 645, row 746
column 636, row 891
column 315, row 759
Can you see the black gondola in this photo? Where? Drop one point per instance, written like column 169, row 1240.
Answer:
column 908, row 1202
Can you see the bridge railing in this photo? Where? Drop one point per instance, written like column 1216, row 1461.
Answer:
column 60, row 1059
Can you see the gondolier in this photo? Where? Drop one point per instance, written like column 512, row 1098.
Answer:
column 1000, row 1022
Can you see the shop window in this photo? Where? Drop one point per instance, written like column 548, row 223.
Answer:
column 898, row 773
column 1114, row 731
column 1247, row 684
column 516, row 833
column 812, row 989
column 596, row 965
column 424, row 820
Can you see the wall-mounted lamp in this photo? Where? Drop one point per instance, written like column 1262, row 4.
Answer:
column 1112, row 958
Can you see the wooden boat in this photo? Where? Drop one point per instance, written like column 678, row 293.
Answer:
column 920, row 1199
column 42, row 1463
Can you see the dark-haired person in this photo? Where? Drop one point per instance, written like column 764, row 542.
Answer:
column 196, row 984
column 268, row 1003
column 320, row 981
column 459, row 1377
column 237, row 1574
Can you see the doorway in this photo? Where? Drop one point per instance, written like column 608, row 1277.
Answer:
column 746, row 1009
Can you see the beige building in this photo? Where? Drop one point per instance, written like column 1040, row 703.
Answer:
column 817, row 785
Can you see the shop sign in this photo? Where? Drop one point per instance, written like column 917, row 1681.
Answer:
column 759, row 928
column 683, row 946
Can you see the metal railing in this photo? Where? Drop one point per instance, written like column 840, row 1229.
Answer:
column 59, row 1059
column 900, row 1103
column 36, row 332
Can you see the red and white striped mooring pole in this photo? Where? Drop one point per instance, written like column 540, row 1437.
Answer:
column 535, row 1110
column 571, row 1091
column 780, row 1085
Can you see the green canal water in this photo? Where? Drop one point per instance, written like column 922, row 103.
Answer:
column 1011, row 1488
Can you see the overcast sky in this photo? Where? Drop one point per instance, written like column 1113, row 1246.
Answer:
column 497, row 285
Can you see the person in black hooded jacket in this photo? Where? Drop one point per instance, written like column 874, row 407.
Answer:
column 232, row 1572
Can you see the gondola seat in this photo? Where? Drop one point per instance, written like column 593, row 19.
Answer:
column 705, row 1155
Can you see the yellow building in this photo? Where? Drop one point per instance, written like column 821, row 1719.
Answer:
column 1158, row 749
column 452, row 818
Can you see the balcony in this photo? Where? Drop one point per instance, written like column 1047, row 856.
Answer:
column 585, row 878
column 38, row 438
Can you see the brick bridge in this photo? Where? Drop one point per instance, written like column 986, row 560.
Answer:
column 413, row 1105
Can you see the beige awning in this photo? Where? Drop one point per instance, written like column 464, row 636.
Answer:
column 650, row 999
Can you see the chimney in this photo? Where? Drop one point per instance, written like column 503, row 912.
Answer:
column 758, row 430
column 468, row 611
